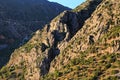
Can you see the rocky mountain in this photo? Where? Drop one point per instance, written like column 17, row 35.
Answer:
column 80, row 44
column 19, row 19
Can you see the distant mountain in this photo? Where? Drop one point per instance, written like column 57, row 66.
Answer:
column 32, row 14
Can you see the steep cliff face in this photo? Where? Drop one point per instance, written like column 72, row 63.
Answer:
column 93, row 53
column 85, row 44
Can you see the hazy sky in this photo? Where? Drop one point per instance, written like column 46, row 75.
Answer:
column 69, row 3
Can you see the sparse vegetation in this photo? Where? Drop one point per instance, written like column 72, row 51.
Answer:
column 93, row 53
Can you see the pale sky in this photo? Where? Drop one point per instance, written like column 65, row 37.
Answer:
column 69, row 3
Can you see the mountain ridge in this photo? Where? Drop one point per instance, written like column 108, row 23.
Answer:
column 70, row 49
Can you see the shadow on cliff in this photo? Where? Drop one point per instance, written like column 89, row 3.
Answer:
column 82, row 16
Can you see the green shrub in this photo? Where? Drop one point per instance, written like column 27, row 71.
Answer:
column 75, row 61
column 12, row 68
column 108, row 65
column 112, row 78
column 77, row 68
column 28, row 47
column 57, row 73
column 115, row 71
column 96, row 74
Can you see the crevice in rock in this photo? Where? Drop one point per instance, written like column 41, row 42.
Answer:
column 45, row 64
column 91, row 40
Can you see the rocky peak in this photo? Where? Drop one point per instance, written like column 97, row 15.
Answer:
column 69, row 22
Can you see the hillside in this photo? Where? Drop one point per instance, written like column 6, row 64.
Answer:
column 82, row 44
column 94, row 52
column 19, row 19
column 30, row 14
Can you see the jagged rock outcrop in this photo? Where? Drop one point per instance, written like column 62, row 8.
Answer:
column 63, row 28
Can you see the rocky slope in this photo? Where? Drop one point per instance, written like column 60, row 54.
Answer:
column 18, row 19
column 78, row 44
column 94, row 52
